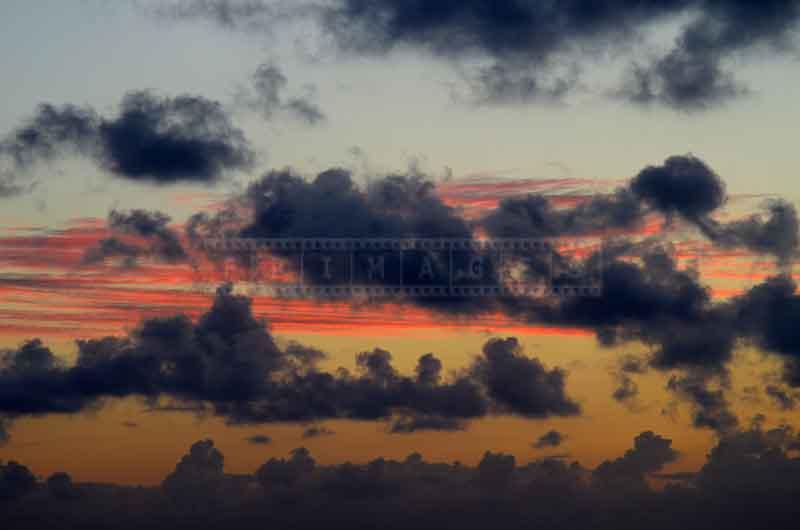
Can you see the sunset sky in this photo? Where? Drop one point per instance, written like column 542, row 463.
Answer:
column 659, row 138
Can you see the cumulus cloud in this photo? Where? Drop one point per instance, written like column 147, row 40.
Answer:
column 650, row 453
column 161, row 140
column 229, row 361
column 748, row 477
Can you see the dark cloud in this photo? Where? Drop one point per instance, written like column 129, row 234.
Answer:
column 16, row 481
column 681, row 81
column 535, row 50
column 259, row 439
column 61, row 487
column 332, row 206
column 161, row 242
column 712, row 409
column 683, row 186
column 549, row 439
column 155, row 139
column 650, row 453
column 228, row 364
column 693, row 74
column 535, row 216
column 627, row 389
column 521, row 384
column 767, row 314
column 166, row 140
column 198, row 478
column 776, row 234
column 749, row 478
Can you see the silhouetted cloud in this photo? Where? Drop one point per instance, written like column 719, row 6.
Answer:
column 551, row 438
column 16, row 481
column 748, row 478
column 650, row 453
column 229, row 362
column 156, row 139
column 684, row 185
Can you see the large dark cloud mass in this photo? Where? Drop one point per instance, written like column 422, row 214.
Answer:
column 749, row 479
column 534, row 51
column 229, row 362
column 646, row 295
column 155, row 139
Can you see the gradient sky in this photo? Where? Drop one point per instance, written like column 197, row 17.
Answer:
column 389, row 114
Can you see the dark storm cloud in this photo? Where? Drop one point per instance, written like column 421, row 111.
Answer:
column 163, row 243
column 549, row 439
column 155, row 139
column 229, row 361
column 265, row 96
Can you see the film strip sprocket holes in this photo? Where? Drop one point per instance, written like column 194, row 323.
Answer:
column 402, row 267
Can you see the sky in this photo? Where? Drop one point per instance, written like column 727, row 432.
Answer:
column 653, row 143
